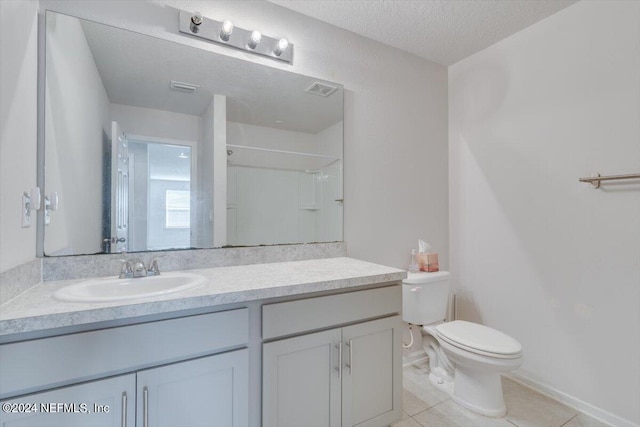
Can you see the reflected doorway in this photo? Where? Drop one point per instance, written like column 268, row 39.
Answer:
column 154, row 197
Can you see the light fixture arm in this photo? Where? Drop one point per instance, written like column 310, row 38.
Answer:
column 223, row 32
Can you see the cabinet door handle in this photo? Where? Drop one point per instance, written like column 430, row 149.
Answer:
column 350, row 364
column 339, row 368
column 145, row 407
column 123, row 422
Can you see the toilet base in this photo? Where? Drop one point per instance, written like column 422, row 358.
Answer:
column 439, row 383
column 472, row 380
column 479, row 392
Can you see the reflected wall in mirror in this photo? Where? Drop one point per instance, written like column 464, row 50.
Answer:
column 155, row 145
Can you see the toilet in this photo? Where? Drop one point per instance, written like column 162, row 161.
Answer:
column 465, row 358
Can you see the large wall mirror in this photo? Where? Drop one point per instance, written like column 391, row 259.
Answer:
column 154, row 145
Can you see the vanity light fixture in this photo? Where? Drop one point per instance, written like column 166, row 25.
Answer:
column 224, row 32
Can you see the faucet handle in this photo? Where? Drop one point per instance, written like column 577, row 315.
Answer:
column 153, row 270
column 126, row 271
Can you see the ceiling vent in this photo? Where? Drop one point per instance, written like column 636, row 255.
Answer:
column 184, row 87
column 321, row 89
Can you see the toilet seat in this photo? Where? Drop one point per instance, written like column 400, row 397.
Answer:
column 479, row 339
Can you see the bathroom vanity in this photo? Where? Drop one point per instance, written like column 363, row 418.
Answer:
column 190, row 164
column 295, row 343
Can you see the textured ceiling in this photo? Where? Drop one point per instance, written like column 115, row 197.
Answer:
column 443, row 31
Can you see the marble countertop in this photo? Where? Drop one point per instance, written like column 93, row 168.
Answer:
column 38, row 310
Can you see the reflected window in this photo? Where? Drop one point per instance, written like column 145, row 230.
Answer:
column 178, row 209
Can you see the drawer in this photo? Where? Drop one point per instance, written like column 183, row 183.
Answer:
column 327, row 311
column 51, row 362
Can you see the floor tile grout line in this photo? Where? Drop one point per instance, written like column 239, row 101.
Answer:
column 569, row 420
column 429, row 408
column 419, row 423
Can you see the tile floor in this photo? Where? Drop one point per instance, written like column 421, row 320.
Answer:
column 426, row 406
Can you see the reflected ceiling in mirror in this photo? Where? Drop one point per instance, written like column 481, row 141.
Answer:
column 154, row 145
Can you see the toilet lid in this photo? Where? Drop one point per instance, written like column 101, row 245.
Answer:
column 478, row 337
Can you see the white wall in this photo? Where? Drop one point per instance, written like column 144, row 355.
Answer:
column 219, row 165
column 275, row 139
column 156, row 123
column 395, row 115
column 330, row 141
column 76, row 129
column 206, row 183
column 18, row 125
column 534, row 253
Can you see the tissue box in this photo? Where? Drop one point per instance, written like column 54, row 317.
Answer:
column 428, row 262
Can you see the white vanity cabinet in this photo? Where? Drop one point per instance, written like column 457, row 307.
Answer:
column 208, row 392
column 301, row 383
column 342, row 376
column 372, row 381
column 104, row 403
column 188, row 371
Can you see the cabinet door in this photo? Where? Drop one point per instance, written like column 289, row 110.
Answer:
column 372, row 381
column 104, row 403
column 301, row 381
column 209, row 392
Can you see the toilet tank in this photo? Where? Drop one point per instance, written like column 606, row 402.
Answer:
column 425, row 297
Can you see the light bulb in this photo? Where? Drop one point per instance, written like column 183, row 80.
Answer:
column 255, row 38
column 281, row 47
column 227, row 29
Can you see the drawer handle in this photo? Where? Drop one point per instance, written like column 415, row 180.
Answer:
column 123, row 422
column 145, row 407
column 339, row 368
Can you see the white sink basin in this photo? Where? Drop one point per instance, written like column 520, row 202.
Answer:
column 114, row 289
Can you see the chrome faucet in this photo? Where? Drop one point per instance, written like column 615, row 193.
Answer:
column 136, row 268
column 153, row 269
column 126, row 272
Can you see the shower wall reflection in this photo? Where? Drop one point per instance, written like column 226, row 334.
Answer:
column 279, row 195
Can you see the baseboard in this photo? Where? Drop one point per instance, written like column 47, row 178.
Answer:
column 577, row 404
column 413, row 357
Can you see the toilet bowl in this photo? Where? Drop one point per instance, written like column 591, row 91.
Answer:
column 465, row 358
